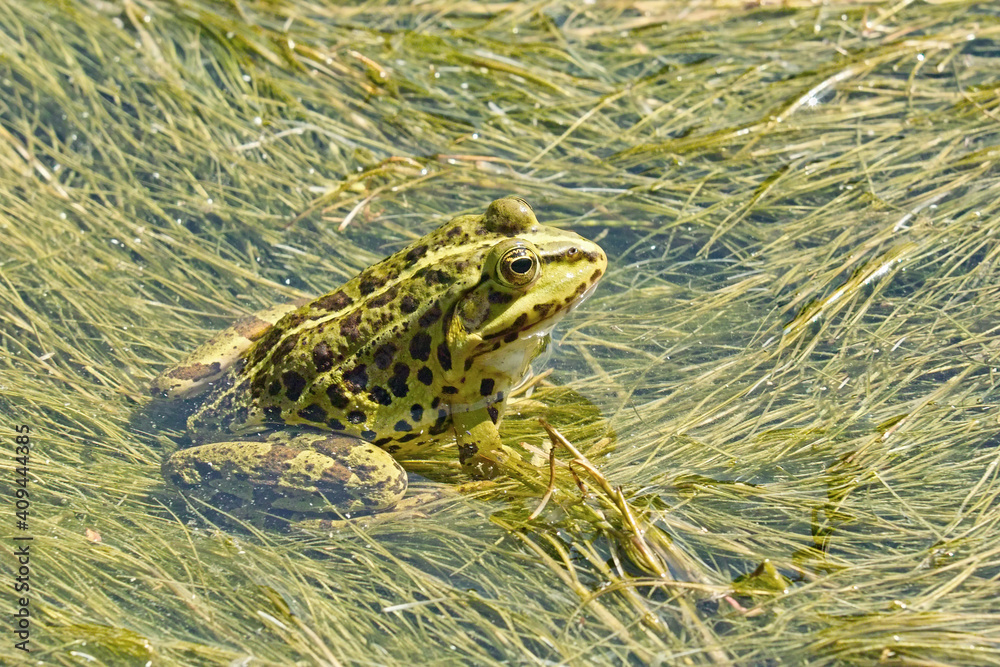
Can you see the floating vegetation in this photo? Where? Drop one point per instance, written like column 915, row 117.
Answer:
column 787, row 380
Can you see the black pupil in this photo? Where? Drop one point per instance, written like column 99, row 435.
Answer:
column 521, row 265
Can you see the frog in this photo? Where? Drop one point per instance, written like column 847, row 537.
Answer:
column 309, row 406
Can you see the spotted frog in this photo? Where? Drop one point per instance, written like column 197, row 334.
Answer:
column 306, row 407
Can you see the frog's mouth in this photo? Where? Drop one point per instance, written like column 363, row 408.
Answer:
column 544, row 326
column 547, row 318
column 583, row 297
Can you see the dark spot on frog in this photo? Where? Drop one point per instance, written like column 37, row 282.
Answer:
column 486, row 386
column 334, row 476
column 580, row 289
column 277, row 458
column 454, row 231
column 322, row 359
column 380, row 396
column 397, row 383
column 402, row 425
column 294, row 384
column 597, row 274
column 414, row 254
column 434, row 276
column 420, row 346
column 286, row 346
column 256, row 385
column 334, row 446
column 370, row 283
column 336, row 424
column 408, row 303
column 333, row 302
column 349, row 327
column 392, row 449
column 499, row 297
column 543, row 308
column 263, row 346
column 313, row 413
column 416, row 413
column 510, row 338
column 381, row 441
column 436, row 402
column 448, row 389
column 274, row 388
column 519, row 322
column 292, row 320
column 355, row 416
column 444, row 355
column 493, row 413
column 383, row 355
column 338, row 397
column 356, row 379
column 369, row 434
column 272, row 413
column 440, row 424
column 430, row 317
column 384, row 298
column 467, row 451
column 468, row 363
column 499, row 397
column 364, row 469
column 425, row 375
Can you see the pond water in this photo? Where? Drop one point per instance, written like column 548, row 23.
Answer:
column 790, row 367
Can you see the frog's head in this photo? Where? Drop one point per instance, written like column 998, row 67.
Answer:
column 529, row 278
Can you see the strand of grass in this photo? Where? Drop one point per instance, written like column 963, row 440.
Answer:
column 564, row 570
column 709, row 642
column 639, row 550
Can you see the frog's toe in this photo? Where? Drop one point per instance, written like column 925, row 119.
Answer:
column 310, row 473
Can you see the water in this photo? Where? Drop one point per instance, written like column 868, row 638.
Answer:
column 160, row 178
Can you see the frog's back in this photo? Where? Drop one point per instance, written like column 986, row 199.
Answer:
column 372, row 352
column 390, row 354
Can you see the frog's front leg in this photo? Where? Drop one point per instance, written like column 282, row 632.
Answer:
column 307, row 472
column 480, row 450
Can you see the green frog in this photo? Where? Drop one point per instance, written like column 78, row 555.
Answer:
column 307, row 406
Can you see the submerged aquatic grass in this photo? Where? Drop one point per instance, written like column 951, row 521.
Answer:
column 794, row 350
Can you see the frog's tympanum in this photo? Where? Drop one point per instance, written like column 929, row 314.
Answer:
column 306, row 406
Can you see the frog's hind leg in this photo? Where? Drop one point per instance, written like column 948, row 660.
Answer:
column 195, row 373
column 307, row 472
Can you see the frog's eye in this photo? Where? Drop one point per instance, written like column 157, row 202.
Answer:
column 518, row 267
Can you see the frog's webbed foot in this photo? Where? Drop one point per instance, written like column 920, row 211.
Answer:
column 307, row 472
